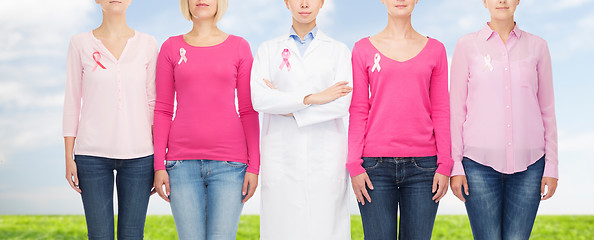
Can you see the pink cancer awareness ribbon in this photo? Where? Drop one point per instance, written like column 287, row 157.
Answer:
column 286, row 55
column 376, row 63
column 182, row 55
column 97, row 59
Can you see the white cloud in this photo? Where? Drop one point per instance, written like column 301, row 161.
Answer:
column 267, row 18
column 34, row 37
column 17, row 95
column 25, row 132
column 259, row 12
column 580, row 143
column 548, row 6
column 36, row 28
column 571, row 3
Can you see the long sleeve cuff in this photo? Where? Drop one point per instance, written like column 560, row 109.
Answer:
column 458, row 169
column 444, row 166
column 551, row 170
column 355, row 168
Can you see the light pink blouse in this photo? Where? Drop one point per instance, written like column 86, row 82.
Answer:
column 109, row 103
column 502, row 103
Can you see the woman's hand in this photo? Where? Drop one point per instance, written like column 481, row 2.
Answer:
column 457, row 183
column 162, row 178
column 72, row 174
column 250, row 183
column 440, row 186
column 339, row 89
column 551, row 184
column 360, row 184
column 71, row 170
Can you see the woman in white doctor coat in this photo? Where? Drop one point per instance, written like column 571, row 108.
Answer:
column 301, row 82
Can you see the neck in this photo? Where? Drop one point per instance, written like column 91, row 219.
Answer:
column 114, row 25
column 399, row 27
column 503, row 27
column 204, row 28
column 303, row 29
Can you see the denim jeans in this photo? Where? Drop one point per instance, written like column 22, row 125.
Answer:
column 134, row 181
column 502, row 206
column 206, row 198
column 404, row 182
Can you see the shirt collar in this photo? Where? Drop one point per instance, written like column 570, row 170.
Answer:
column 312, row 34
column 487, row 32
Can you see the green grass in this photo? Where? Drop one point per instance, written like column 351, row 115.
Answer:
column 162, row 227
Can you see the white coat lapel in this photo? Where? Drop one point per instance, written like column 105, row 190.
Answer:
column 292, row 46
column 320, row 38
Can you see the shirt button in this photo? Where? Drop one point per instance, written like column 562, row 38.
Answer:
column 509, row 144
column 507, row 106
column 506, row 69
column 508, row 125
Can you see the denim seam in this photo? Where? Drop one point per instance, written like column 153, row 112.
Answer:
column 377, row 162
column 235, row 165
column 176, row 162
column 414, row 161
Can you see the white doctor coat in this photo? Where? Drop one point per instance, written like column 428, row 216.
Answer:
column 303, row 174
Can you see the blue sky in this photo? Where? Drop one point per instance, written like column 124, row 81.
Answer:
column 34, row 38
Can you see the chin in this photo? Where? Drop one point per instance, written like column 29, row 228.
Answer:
column 502, row 17
column 304, row 21
column 116, row 10
column 400, row 12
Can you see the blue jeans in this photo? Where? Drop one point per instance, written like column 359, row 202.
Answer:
column 399, row 181
column 206, row 198
column 502, row 206
column 134, row 181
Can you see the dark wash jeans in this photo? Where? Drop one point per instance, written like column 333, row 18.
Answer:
column 502, row 206
column 134, row 181
column 404, row 182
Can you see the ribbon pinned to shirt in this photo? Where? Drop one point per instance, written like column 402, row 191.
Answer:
column 182, row 54
column 97, row 59
column 376, row 63
column 286, row 55
column 488, row 62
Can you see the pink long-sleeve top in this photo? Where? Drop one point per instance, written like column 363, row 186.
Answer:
column 503, row 110
column 207, row 125
column 109, row 102
column 399, row 109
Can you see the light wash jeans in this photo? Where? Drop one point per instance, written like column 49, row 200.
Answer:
column 206, row 198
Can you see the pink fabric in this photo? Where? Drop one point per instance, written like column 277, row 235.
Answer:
column 207, row 124
column 407, row 113
column 108, row 104
column 503, row 111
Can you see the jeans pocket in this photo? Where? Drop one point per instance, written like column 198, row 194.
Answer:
column 369, row 163
column 425, row 163
column 235, row 164
column 170, row 165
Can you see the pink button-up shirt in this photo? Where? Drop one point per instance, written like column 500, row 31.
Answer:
column 109, row 103
column 502, row 104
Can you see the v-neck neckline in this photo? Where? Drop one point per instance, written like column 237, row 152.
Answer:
column 109, row 53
